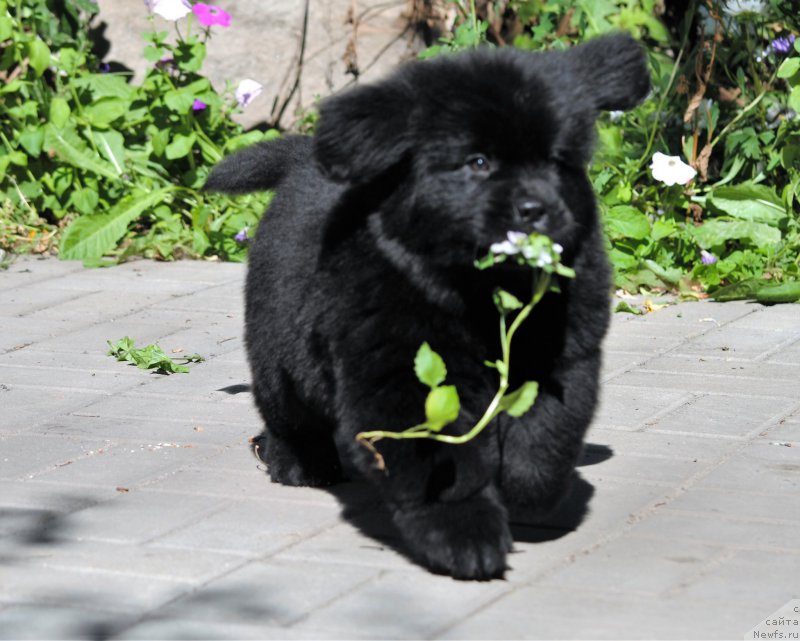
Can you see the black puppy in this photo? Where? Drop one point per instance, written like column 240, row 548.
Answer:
column 367, row 250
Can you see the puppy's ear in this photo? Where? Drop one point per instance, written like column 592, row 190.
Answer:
column 363, row 132
column 614, row 71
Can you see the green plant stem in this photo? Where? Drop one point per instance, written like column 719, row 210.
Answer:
column 369, row 439
column 657, row 118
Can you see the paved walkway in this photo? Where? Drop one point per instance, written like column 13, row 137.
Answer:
column 130, row 506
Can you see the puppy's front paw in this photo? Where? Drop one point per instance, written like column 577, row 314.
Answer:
column 467, row 540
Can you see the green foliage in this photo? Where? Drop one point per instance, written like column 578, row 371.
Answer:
column 105, row 166
column 726, row 97
column 149, row 357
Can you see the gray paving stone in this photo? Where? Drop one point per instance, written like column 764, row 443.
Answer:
column 135, row 431
column 27, row 270
column 135, row 517
column 775, row 574
column 780, row 537
column 258, row 589
column 740, row 342
column 743, row 386
column 546, row 613
column 24, row 407
column 250, row 527
column 188, row 411
column 85, row 589
column 722, row 414
column 39, row 621
column 180, row 628
column 58, row 497
column 93, row 339
column 24, row 457
column 382, row 608
column 693, row 492
column 631, row 407
column 750, row 504
column 759, row 467
column 639, row 565
column 190, row 567
column 715, row 366
column 125, row 464
column 17, row 333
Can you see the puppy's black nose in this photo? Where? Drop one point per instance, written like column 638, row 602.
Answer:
column 529, row 209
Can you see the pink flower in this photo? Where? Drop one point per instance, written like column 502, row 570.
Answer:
column 198, row 105
column 208, row 15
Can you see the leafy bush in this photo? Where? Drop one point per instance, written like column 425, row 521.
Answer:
column 726, row 98
column 110, row 168
column 107, row 167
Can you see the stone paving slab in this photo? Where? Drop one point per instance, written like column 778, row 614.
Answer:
column 132, row 508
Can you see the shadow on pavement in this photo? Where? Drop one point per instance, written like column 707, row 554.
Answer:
column 363, row 508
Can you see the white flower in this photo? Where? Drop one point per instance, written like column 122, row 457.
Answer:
column 738, row 7
column 511, row 246
column 544, row 259
column 615, row 115
column 169, row 9
column 671, row 170
column 505, row 247
column 558, row 249
column 246, row 91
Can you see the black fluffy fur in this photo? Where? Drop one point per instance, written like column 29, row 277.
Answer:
column 367, row 250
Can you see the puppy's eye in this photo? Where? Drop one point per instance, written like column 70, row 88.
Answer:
column 478, row 163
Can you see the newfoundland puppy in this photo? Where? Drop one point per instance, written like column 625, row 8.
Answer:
column 368, row 250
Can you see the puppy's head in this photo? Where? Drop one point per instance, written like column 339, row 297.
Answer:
column 489, row 141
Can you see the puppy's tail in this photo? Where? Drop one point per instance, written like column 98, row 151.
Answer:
column 259, row 167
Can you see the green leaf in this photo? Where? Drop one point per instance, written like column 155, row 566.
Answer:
column 749, row 201
column 38, row 56
column 789, row 67
column 59, row 112
column 6, row 27
column 180, row 146
column 441, row 407
column 102, row 112
column 716, row 231
column 71, row 149
column 85, row 200
column 92, row 236
column 31, row 141
column 112, row 145
column 784, row 293
column 179, row 101
column 794, row 98
column 429, row 366
column 745, row 289
column 149, row 357
column 624, row 306
column 518, row 402
column 506, row 302
column 624, row 221
column 662, row 229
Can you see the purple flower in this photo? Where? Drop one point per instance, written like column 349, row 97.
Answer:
column 707, row 258
column 783, row 45
column 241, row 236
column 104, row 67
column 198, row 105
